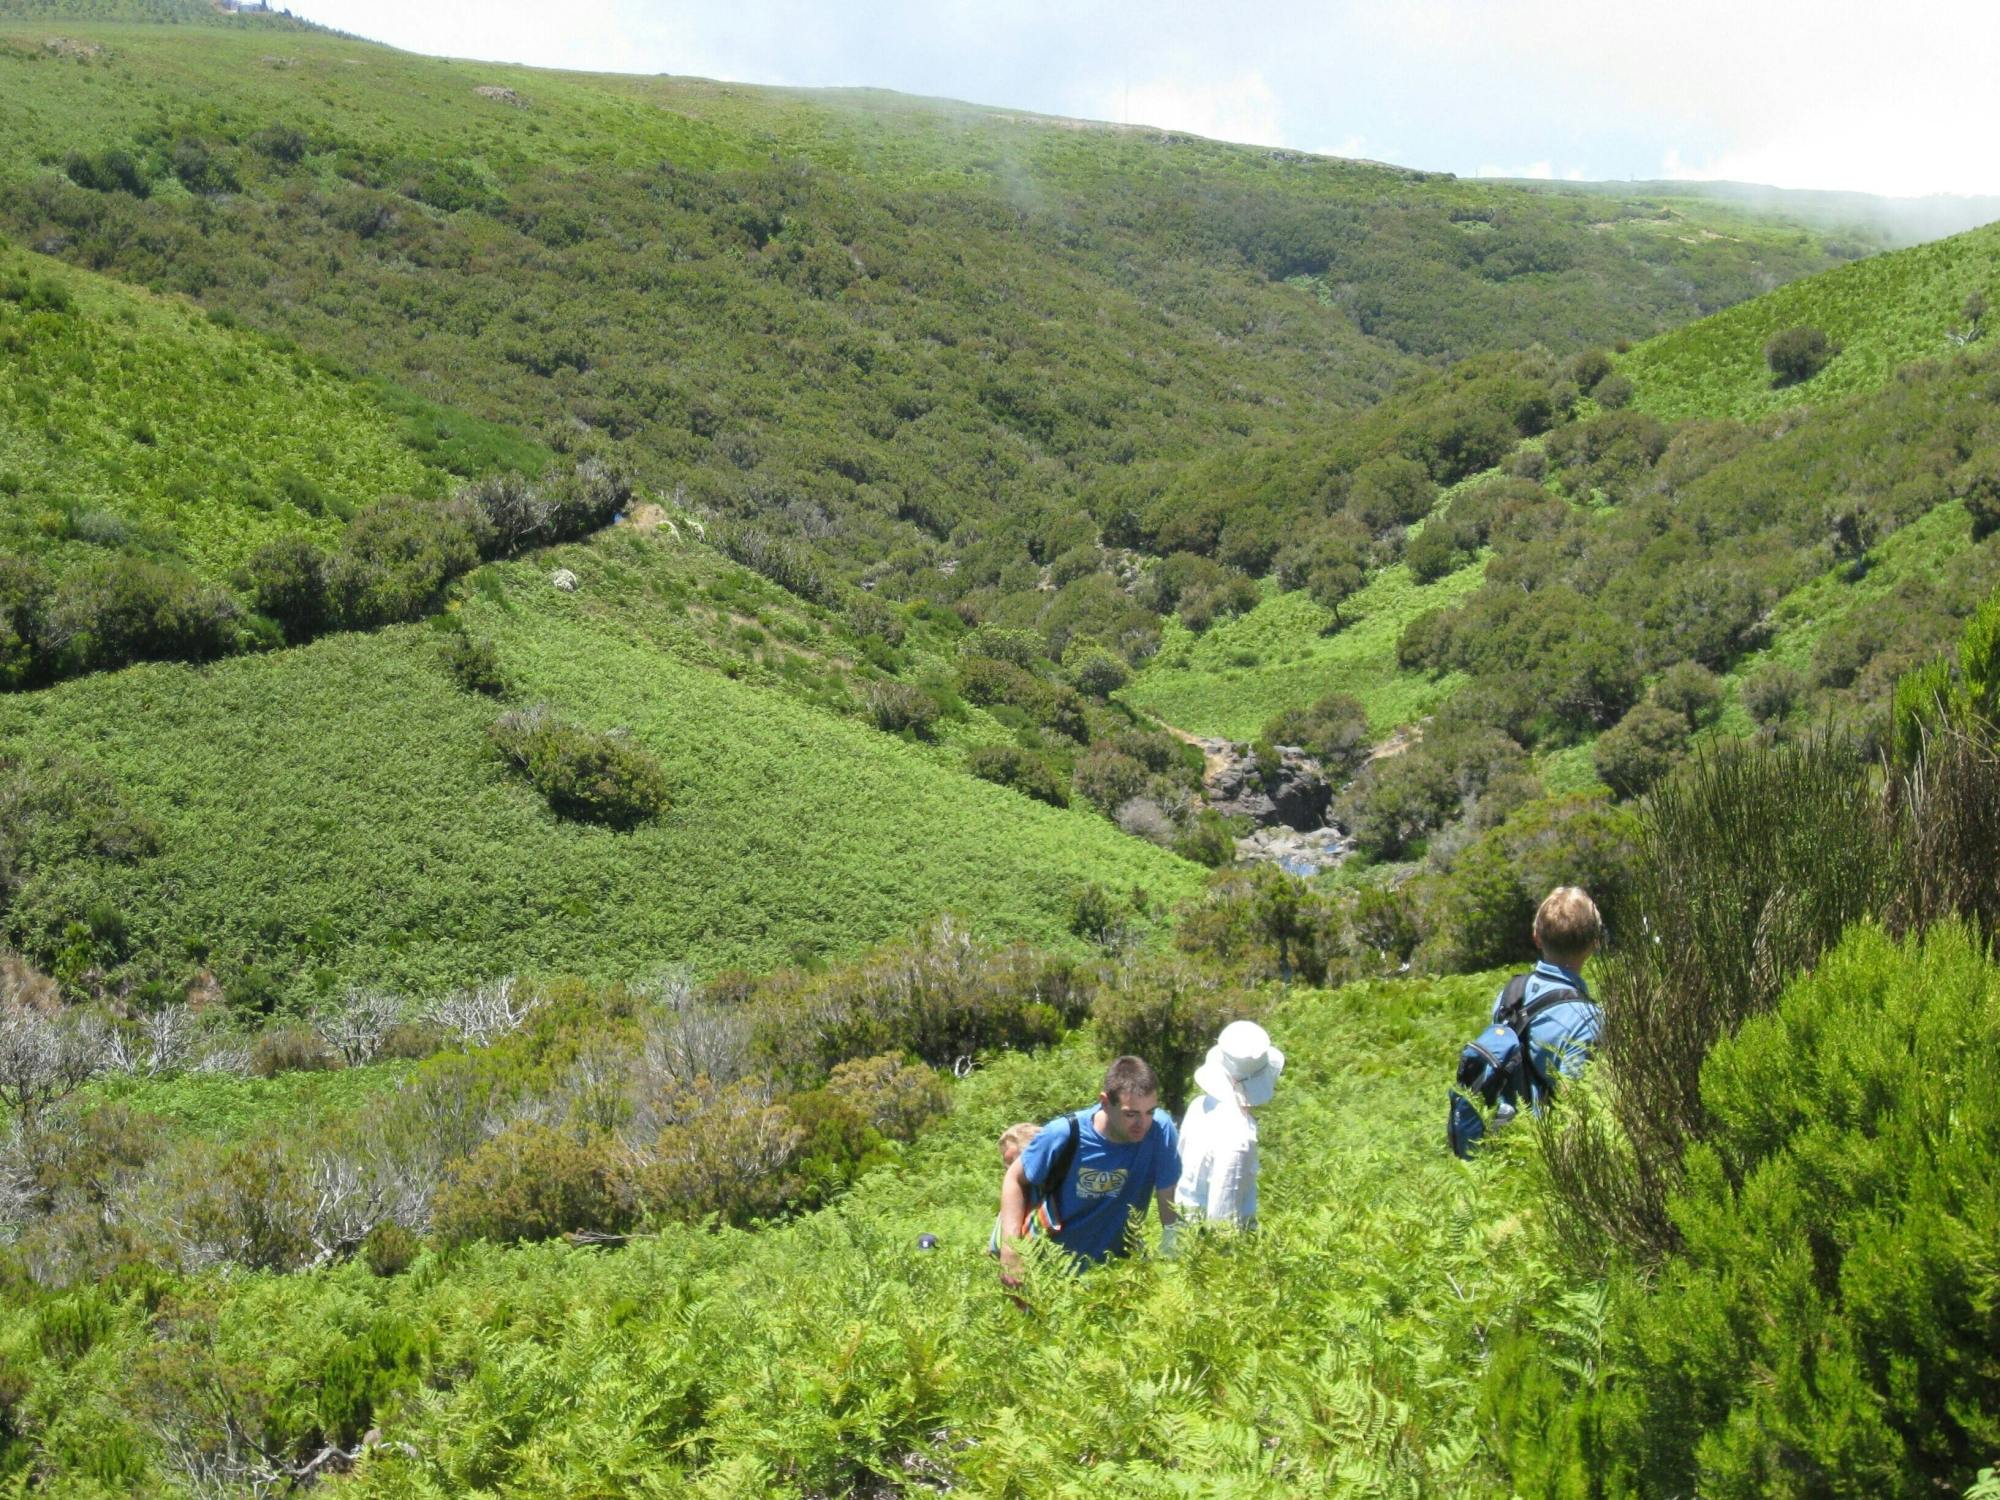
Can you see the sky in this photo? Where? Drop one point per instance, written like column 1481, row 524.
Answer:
column 1856, row 94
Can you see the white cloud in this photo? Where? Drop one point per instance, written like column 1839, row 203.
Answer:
column 1242, row 107
column 1537, row 171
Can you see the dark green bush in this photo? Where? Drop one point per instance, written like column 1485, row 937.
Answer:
column 287, row 582
column 25, row 590
column 1107, row 778
column 1639, row 749
column 1690, row 690
column 129, row 609
column 1797, row 354
column 473, row 662
column 592, row 777
column 1019, row 770
column 397, row 557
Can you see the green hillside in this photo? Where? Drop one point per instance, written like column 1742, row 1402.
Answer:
column 1881, row 313
column 336, row 815
column 1232, row 680
column 907, row 334
column 134, row 423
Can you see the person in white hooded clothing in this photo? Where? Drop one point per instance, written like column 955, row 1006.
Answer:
column 1219, row 1134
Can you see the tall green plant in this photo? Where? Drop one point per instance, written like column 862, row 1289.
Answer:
column 1752, row 863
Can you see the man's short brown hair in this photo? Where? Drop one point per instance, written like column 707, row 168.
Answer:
column 1567, row 925
column 1129, row 1076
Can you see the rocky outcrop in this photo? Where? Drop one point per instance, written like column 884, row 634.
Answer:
column 1296, row 853
column 1294, row 793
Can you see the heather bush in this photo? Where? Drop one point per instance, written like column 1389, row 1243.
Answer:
column 286, row 580
column 397, row 557
column 1797, row 354
column 533, row 1182
column 1639, row 749
column 1108, row 778
column 1334, row 731
column 290, row 1048
column 939, row 995
column 896, row 1098
column 592, row 777
column 900, row 706
column 1823, row 1325
column 1752, row 860
column 129, row 609
column 1207, row 839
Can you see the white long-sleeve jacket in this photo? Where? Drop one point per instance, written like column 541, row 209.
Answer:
column 1218, row 1162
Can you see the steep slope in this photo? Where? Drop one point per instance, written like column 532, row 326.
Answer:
column 130, row 422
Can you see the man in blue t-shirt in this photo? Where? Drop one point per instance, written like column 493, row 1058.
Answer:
column 1124, row 1149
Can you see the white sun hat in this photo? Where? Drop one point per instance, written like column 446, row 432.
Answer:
column 1242, row 1065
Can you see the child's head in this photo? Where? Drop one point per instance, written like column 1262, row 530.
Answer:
column 1567, row 926
column 1014, row 1140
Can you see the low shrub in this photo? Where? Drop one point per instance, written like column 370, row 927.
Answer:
column 1019, row 770
column 389, row 1248
column 397, row 557
column 899, row 706
column 592, row 777
column 939, row 996
column 1207, row 839
column 897, row 1098
column 129, row 609
column 473, row 662
column 291, row 1049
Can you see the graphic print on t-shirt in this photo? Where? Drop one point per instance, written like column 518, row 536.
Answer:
column 1091, row 1184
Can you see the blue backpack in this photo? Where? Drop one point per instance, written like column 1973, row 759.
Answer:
column 1498, row 1066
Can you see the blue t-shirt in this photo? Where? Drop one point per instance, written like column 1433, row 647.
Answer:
column 1106, row 1181
column 1561, row 1037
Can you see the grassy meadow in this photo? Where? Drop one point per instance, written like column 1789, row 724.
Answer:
column 1285, row 653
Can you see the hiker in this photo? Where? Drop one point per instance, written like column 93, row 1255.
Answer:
column 1083, row 1178
column 1544, row 1024
column 1219, row 1132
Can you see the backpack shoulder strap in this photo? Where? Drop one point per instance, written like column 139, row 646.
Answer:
column 1059, row 1164
column 1523, row 1023
column 1508, row 1011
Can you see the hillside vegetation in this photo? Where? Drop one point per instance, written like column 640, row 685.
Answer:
column 133, row 423
column 313, row 828
column 885, row 328
column 1879, row 314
